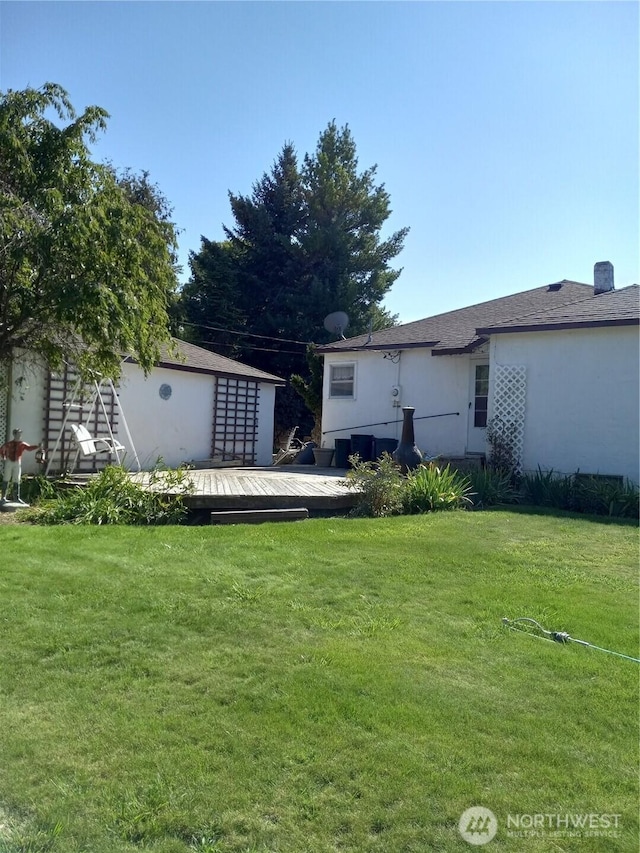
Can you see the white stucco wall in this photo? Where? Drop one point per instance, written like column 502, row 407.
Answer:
column 179, row 428
column 266, row 404
column 582, row 398
column 432, row 385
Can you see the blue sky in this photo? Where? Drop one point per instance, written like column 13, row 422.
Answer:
column 506, row 133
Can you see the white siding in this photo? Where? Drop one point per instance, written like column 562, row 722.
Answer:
column 432, row 385
column 582, row 398
column 179, row 429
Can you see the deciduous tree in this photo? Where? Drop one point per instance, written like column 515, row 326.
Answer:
column 86, row 271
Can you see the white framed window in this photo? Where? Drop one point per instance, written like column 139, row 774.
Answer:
column 342, row 380
column 481, row 395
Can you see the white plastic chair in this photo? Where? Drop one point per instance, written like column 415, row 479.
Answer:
column 89, row 445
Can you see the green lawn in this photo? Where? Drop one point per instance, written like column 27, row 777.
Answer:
column 331, row 685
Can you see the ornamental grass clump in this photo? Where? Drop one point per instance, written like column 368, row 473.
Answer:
column 430, row 488
column 602, row 496
column 584, row 493
column 112, row 497
column 547, row 488
column 491, row 487
column 383, row 490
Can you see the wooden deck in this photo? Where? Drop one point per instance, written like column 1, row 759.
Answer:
column 278, row 487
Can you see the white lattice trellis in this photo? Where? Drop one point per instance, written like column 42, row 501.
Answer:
column 509, row 405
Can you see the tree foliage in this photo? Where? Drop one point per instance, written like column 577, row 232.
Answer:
column 139, row 189
column 348, row 262
column 306, row 242
column 266, row 243
column 209, row 300
column 310, row 389
column 86, row 268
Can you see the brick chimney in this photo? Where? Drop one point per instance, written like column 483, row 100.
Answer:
column 602, row 277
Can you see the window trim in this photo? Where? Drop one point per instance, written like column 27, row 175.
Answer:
column 481, row 413
column 336, row 364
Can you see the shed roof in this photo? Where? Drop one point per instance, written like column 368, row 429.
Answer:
column 194, row 359
column 571, row 303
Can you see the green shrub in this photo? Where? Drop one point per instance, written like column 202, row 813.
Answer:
column 581, row 493
column 379, row 486
column 599, row 496
column 491, row 487
column 501, row 438
column 430, row 488
column 625, row 501
column 37, row 487
column 546, row 488
column 112, row 497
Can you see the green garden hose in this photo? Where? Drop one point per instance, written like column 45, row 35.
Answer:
column 556, row 636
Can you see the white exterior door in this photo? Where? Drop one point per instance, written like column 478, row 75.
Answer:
column 478, row 401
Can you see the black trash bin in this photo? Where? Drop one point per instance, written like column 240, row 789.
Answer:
column 363, row 446
column 306, row 457
column 343, row 449
column 384, row 445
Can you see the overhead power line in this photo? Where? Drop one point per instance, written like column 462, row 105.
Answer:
column 246, row 334
column 250, row 347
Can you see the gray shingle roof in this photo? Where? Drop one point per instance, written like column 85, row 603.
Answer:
column 194, row 359
column 456, row 331
column 560, row 305
column 614, row 308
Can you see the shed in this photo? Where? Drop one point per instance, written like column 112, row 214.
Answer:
column 194, row 406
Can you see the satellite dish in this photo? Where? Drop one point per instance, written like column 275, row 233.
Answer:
column 336, row 323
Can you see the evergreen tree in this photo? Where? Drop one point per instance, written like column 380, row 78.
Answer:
column 211, row 308
column 305, row 243
column 347, row 262
column 266, row 243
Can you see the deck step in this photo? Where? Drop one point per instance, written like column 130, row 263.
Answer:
column 258, row 516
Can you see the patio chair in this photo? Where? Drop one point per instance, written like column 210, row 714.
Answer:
column 288, row 453
column 89, row 445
